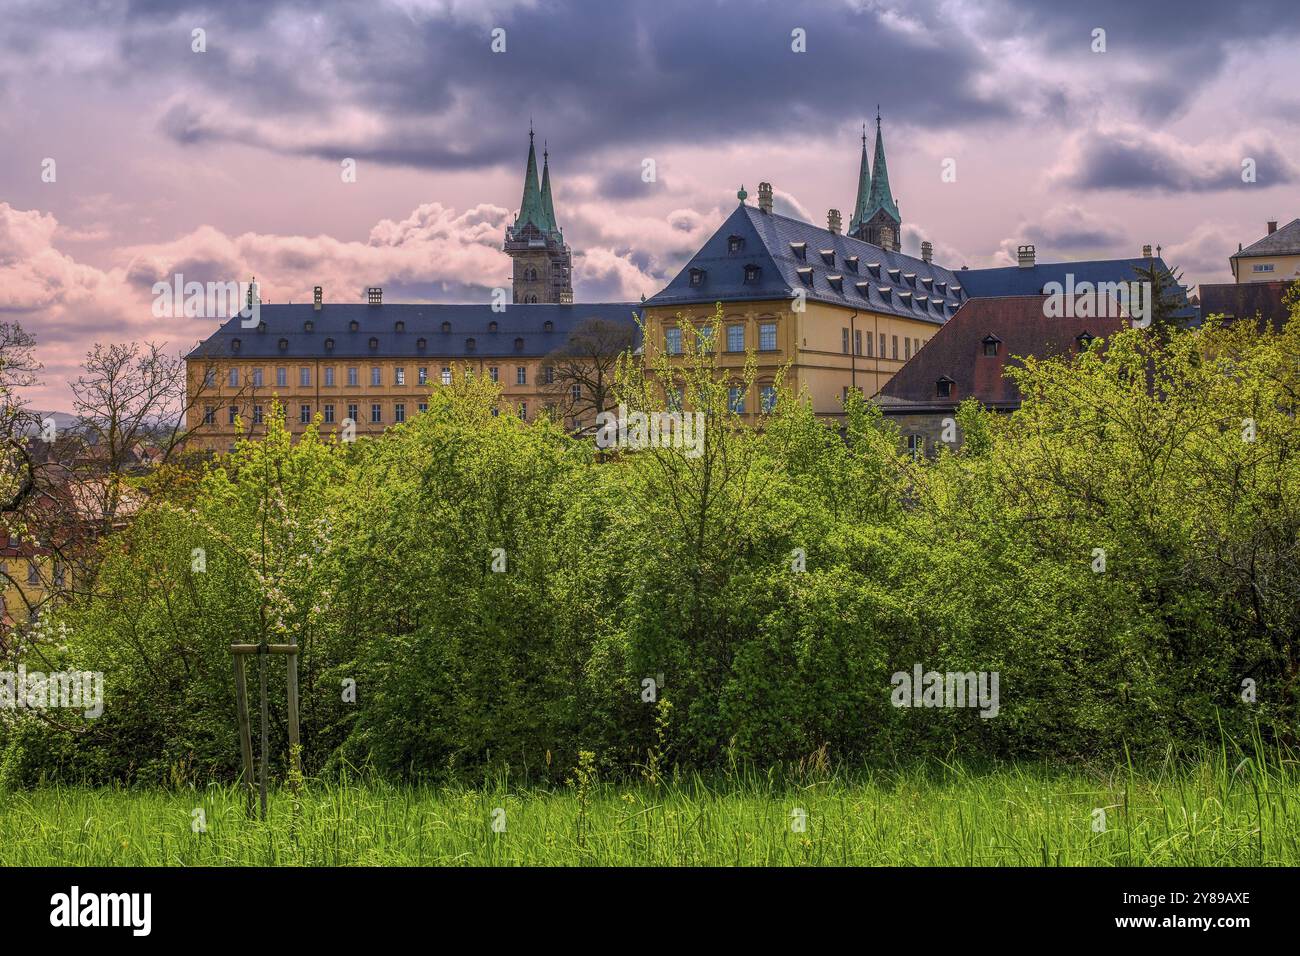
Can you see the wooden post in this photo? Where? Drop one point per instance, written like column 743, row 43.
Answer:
column 266, row 728
column 245, row 730
column 292, row 662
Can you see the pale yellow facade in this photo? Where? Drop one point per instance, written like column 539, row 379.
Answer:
column 830, row 349
column 1265, row 268
column 374, row 393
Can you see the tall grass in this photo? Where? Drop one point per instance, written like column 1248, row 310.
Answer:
column 1228, row 809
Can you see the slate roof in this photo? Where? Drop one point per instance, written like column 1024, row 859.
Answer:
column 1281, row 242
column 957, row 352
column 289, row 322
column 901, row 285
column 1014, row 280
column 1247, row 300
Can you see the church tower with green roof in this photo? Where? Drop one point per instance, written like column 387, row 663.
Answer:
column 543, row 264
column 875, row 213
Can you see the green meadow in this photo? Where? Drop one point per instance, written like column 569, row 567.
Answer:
column 1220, row 811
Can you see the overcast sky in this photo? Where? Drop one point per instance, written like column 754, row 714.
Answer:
column 228, row 163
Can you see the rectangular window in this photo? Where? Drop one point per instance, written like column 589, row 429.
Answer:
column 736, row 399
column 376, row 375
column 548, row 374
column 304, row 376
column 281, row 376
column 907, row 346
column 915, row 445
column 234, row 411
column 768, row 393
column 1267, row 267
column 521, row 375
column 869, row 343
column 210, row 378
column 424, row 406
column 304, row 414
column 673, row 341
column 844, row 341
column 895, row 345
column 354, row 375
column 209, row 415
column 576, row 392
column 376, row 413
column 422, row 376
column 523, row 410
column 446, row 375
column 494, row 373
column 257, row 414
column 33, row 573
column 399, row 412
column 329, row 376
column 767, row 337
column 882, row 344
column 329, row 414
column 352, row 412
column 857, row 342
column 735, row 338
column 676, row 398
column 257, row 378
column 399, row 376
column 234, row 378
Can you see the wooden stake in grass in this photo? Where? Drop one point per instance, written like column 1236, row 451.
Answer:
column 245, row 729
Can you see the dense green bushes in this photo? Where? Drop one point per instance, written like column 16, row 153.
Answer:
column 378, row 560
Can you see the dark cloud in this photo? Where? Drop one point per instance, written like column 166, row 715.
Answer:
column 1131, row 159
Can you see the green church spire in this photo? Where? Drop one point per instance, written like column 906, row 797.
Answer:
column 860, row 207
column 548, row 208
column 880, row 197
column 530, row 207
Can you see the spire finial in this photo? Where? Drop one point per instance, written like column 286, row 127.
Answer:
column 864, row 135
column 877, row 116
column 530, row 129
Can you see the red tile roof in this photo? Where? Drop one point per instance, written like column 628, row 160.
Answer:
column 1246, row 300
column 957, row 351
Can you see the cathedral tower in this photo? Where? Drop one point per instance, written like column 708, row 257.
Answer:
column 543, row 265
column 875, row 214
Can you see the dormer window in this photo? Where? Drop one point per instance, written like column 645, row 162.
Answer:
column 991, row 343
column 851, row 263
column 284, row 344
column 354, row 325
column 911, row 279
column 421, row 344
column 886, row 292
column 309, row 326
column 800, row 250
column 469, row 345
column 735, row 243
column 943, row 387
column 928, row 283
column 864, row 288
column 374, row 343
column 519, row 345
column 894, row 274
column 752, row 272
column 399, row 326
column 942, row 287
column 329, row 345
column 923, row 299
column 697, row 278
column 234, row 345
column 805, row 276
column 261, row 326
column 874, row 269
column 905, row 296
column 828, row 256
column 837, row 282
column 548, row 326
column 446, row 326
column 1084, row 339
column 492, row 326
column 955, row 288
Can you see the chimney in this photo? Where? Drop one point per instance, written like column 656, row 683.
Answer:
column 833, row 221
column 1146, row 251
column 374, row 295
column 1272, row 226
column 927, row 251
column 316, row 297
column 1025, row 255
column 765, row 197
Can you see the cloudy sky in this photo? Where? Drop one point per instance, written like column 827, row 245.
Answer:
column 228, row 163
